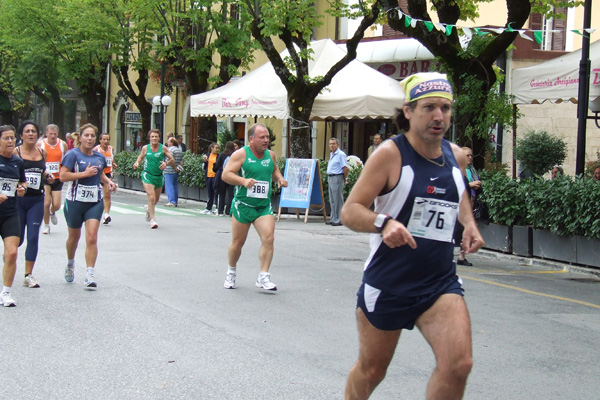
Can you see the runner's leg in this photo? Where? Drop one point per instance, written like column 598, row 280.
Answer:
column 265, row 226
column 91, row 241
column 239, row 233
column 376, row 350
column 447, row 328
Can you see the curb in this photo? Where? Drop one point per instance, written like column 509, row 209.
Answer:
column 556, row 265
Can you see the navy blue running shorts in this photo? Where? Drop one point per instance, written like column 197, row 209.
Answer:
column 77, row 212
column 388, row 312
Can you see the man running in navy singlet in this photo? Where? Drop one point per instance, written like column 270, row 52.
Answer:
column 410, row 277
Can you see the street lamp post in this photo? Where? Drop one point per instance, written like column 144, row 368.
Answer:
column 162, row 102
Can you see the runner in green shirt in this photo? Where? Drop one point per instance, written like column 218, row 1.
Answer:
column 156, row 157
column 251, row 169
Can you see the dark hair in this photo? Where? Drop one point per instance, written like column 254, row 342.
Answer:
column 400, row 120
column 238, row 143
column 6, row 128
column 229, row 148
column 23, row 124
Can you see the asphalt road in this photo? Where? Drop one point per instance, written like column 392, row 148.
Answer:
column 161, row 325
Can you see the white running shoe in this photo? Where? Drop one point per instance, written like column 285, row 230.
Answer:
column 229, row 281
column 70, row 273
column 46, row 229
column 31, row 282
column 106, row 219
column 153, row 224
column 264, row 282
column 6, row 300
column 170, row 205
column 53, row 219
column 206, row 212
column 147, row 213
column 90, row 281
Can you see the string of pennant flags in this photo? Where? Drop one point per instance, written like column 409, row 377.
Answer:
column 469, row 31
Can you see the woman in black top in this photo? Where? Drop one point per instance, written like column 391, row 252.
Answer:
column 12, row 184
column 224, row 190
column 31, row 206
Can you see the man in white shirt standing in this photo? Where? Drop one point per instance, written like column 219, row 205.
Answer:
column 337, row 172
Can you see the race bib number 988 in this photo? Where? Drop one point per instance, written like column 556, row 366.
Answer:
column 433, row 219
column 260, row 190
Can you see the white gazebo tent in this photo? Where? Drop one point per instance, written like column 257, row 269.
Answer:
column 357, row 91
column 555, row 80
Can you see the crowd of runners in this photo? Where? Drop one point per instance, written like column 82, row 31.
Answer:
column 410, row 196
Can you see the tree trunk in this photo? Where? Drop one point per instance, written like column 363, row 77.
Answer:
column 207, row 133
column 58, row 110
column 94, row 97
column 300, row 139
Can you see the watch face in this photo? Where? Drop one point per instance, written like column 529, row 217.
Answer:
column 379, row 221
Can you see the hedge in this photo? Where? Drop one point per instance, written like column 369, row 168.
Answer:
column 565, row 205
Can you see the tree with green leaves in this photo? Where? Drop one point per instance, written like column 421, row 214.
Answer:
column 293, row 23
column 201, row 36
column 70, row 33
column 471, row 71
column 132, row 37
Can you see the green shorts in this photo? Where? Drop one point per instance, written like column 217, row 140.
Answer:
column 246, row 214
column 157, row 180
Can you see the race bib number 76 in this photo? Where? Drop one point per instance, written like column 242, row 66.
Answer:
column 433, row 219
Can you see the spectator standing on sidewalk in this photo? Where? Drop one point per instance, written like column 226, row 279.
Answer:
column 377, row 139
column 224, row 190
column 210, row 159
column 410, row 277
column 337, row 172
column 172, row 173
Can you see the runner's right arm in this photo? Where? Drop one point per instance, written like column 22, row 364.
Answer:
column 230, row 175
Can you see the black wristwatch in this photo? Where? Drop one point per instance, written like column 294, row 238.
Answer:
column 380, row 221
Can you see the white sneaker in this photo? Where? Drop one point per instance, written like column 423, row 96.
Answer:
column 147, row 213
column 46, row 229
column 31, row 282
column 170, row 205
column 206, row 212
column 264, row 282
column 153, row 224
column 221, row 215
column 229, row 281
column 90, row 281
column 70, row 273
column 53, row 219
column 6, row 300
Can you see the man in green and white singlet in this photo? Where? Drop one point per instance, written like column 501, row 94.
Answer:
column 251, row 169
column 156, row 157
